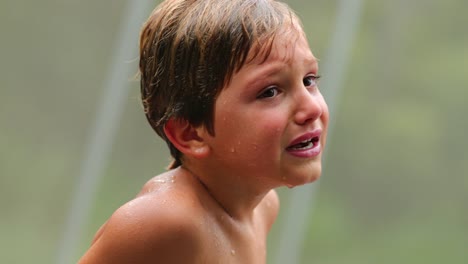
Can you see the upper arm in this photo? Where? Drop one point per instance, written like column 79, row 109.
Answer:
column 145, row 232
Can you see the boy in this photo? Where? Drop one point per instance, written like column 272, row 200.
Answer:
column 231, row 86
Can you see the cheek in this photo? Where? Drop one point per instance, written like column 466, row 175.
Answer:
column 263, row 131
column 252, row 132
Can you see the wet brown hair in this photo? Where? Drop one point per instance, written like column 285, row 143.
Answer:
column 190, row 49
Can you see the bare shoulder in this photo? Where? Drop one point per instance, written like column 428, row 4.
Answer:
column 152, row 228
column 270, row 208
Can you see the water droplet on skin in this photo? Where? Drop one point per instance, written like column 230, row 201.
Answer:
column 233, row 150
column 233, row 252
column 198, row 151
column 217, row 243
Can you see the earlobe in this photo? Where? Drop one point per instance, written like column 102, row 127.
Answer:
column 189, row 140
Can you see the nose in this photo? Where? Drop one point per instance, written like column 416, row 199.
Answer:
column 309, row 106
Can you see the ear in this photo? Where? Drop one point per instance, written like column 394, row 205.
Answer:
column 186, row 138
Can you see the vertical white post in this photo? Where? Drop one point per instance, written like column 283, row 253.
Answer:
column 103, row 132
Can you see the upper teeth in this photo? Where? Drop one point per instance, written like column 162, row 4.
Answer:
column 303, row 144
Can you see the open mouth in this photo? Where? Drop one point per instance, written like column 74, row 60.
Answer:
column 306, row 144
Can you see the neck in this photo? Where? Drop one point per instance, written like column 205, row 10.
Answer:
column 236, row 196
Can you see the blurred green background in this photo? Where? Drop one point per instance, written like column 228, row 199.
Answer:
column 395, row 185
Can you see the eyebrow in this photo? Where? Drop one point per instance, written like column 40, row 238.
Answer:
column 269, row 69
column 313, row 61
column 263, row 74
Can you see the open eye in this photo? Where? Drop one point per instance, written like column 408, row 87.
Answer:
column 310, row 80
column 268, row 93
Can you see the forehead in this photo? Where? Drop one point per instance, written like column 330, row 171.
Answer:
column 288, row 56
column 282, row 48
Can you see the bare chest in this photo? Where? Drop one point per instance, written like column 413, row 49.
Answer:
column 234, row 251
column 242, row 246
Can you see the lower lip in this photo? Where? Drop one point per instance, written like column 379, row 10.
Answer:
column 306, row 153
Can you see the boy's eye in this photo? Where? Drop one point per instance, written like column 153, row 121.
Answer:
column 310, row 80
column 268, row 93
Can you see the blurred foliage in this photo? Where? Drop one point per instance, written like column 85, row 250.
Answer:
column 395, row 184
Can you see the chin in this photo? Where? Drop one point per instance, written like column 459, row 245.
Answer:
column 300, row 174
column 314, row 178
column 293, row 182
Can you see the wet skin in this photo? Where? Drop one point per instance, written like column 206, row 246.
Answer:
column 270, row 129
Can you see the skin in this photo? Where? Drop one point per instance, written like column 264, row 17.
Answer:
column 219, row 206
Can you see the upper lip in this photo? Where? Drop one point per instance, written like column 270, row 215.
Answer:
column 306, row 136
